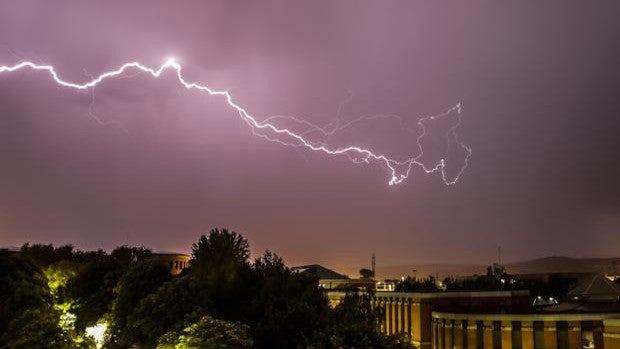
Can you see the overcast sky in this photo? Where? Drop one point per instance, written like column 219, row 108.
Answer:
column 539, row 85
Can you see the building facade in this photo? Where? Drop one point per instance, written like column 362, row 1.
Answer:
column 175, row 262
column 411, row 312
column 526, row 331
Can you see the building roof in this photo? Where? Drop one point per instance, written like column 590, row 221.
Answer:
column 319, row 271
column 596, row 287
column 169, row 253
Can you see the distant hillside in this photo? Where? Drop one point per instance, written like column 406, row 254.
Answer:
column 554, row 264
column 557, row 264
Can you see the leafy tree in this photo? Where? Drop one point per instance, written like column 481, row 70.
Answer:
column 27, row 316
column 91, row 291
column 366, row 273
column 140, row 280
column 220, row 255
column 45, row 255
column 287, row 307
column 208, row 333
column 126, row 255
column 175, row 303
column 355, row 324
column 220, row 261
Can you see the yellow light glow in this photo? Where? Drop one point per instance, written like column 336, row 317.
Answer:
column 97, row 332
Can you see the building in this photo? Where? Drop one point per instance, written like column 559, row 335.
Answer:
column 589, row 318
column 411, row 312
column 175, row 262
column 328, row 279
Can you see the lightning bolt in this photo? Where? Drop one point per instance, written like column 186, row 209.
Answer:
column 399, row 170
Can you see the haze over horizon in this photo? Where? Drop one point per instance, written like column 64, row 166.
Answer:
column 538, row 82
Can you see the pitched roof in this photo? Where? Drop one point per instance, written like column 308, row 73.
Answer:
column 319, row 271
column 596, row 287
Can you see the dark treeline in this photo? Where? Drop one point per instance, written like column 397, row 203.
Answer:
column 63, row 298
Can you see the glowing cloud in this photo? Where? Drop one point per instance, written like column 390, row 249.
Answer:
column 399, row 170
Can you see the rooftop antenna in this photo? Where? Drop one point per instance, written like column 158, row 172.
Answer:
column 373, row 264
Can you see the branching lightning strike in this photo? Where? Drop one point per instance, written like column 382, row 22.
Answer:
column 399, row 169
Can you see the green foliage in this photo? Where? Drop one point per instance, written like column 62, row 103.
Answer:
column 167, row 309
column 219, row 256
column 35, row 328
column 221, row 301
column 287, row 307
column 126, row 255
column 366, row 273
column 27, row 316
column 208, row 333
column 220, row 261
column 91, row 291
column 355, row 324
column 137, row 283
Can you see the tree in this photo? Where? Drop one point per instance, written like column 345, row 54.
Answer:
column 366, row 273
column 27, row 316
column 126, row 255
column 287, row 308
column 220, row 261
column 354, row 323
column 177, row 302
column 208, row 333
column 220, row 255
column 140, row 280
column 91, row 291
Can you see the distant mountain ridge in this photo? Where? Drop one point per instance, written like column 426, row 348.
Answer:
column 552, row 264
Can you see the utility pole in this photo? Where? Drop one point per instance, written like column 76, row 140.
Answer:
column 373, row 265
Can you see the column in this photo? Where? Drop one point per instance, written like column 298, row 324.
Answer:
column 487, row 333
column 441, row 339
column 448, row 326
column 611, row 333
column 506, row 334
column 407, row 315
column 551, row 335
column 434, row 332
column 458, row 334
column 394, row 306
column 388, row 316
column 416, row 330
column 472, row 333
column 574, row 334
column 527, row 334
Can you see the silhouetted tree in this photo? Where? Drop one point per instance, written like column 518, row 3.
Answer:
column 366, row 273
column 126, row 255
column 219, row 255
column 287, row 307
column 92, row 290
column 27, row 316
column 355, row 324
column 140, row 280
column 176, row 303
column 208, row 333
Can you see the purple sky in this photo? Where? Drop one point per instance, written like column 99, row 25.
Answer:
column 539, row 84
